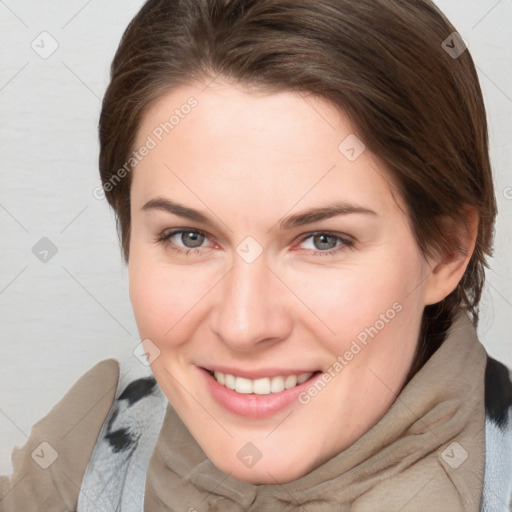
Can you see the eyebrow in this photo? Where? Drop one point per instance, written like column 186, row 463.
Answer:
column 290, row 222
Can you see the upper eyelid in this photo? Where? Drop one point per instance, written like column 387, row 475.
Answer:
column 325, row 232
column 167, row 233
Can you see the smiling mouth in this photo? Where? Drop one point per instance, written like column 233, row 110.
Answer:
column 262, row 386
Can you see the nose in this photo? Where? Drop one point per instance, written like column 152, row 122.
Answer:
column 252, row 309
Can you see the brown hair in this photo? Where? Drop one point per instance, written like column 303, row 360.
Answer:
column 385, row 63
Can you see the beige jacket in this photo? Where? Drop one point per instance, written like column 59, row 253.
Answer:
column 49, row 468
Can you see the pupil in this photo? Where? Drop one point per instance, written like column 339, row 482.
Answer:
column 195, row 238
column 324, row 239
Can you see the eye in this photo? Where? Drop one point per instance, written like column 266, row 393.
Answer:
column 190, row 239
column 323, row 243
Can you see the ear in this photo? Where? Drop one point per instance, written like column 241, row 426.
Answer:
column 448, row 269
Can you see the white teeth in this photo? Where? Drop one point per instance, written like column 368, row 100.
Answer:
column 229, row 381
column 263, row 386
column 290, row 381
column 243, row 385
column 303, row 377
column 277, row 385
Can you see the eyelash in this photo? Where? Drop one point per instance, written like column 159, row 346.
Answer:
column 164, row 239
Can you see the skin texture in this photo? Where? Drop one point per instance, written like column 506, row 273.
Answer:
column 247, row 160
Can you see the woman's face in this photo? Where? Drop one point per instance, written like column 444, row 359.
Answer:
column 285, row 255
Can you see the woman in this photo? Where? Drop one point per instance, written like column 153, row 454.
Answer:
column 305, row 204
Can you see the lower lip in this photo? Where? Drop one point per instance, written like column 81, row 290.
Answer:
column 252, row 405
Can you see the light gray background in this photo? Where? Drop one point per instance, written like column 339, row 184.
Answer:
column 59, row 318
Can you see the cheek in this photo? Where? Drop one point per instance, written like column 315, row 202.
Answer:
column 158, row 297
column 167, row 299
column 349, row 300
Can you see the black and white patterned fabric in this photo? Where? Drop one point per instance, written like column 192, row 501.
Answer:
column 115, row 477
column 497, row 494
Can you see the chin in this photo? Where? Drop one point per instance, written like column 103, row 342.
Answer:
column 280, row 469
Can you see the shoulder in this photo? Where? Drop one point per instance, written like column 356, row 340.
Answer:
column 81, row 411
column 497, row 495
column 51, row 464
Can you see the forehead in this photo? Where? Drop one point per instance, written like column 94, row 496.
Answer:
column 285, row 122
column 282, row 146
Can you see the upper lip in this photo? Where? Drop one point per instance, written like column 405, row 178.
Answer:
column 259, row 373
